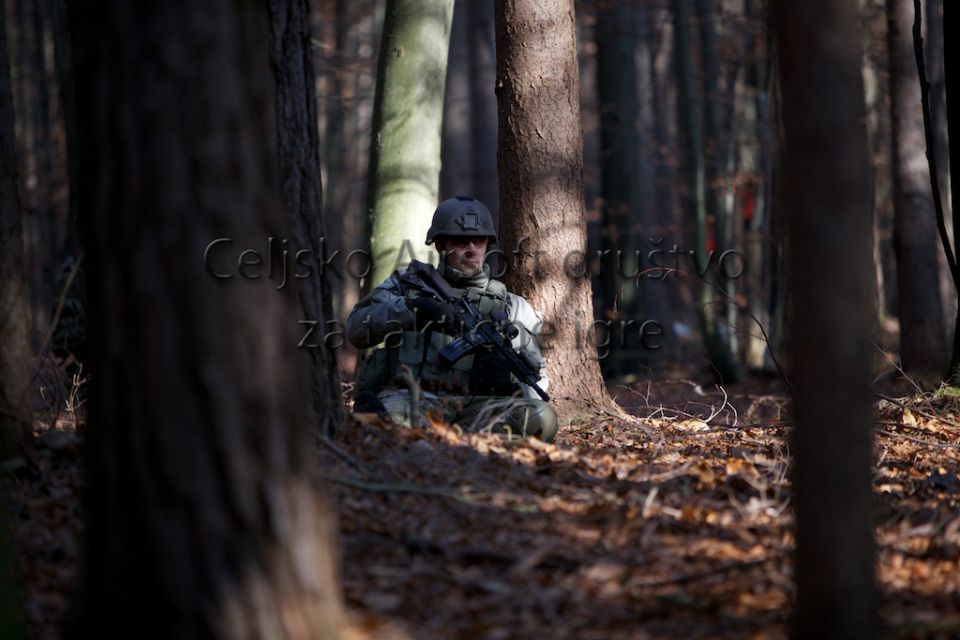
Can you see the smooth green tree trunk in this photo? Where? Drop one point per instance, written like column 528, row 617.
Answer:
column 405, row 146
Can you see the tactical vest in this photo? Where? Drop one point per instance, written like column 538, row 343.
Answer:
column 419, row 350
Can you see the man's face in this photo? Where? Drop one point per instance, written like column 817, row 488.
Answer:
column 465, row 254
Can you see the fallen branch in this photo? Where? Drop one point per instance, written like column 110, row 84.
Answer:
column 927, row 443
column 395, row 487
column 693, row 577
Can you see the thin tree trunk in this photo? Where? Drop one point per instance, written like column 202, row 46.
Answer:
column 619, row 172
column 456, row 170
column 920, row 308
column 655, row 303
column 483, row 105
column 688, row 107
column 16, row 418
column 717, row 208
column 298, row 147
column 203, row 512
column 669, row 227
column 61, row 61
column 938, row 114
column 826, row 194
column 952, row 87
column 541, row 185
column 405, row 148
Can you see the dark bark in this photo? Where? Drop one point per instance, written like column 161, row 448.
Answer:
column 16, row 420
column 826, row 196
column 718, row 213
column 617, row 100
column 61, row 60
column 483, row 106
column 952, row 88
column 695, row 192
column 456, row 145
column 920, row 308
column 203, row 513
column 541, row 186
column 298, row 152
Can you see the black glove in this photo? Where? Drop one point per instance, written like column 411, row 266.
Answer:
column 489, row 376
column 441, row 316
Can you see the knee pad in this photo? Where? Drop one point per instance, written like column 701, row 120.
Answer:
column 540, row 419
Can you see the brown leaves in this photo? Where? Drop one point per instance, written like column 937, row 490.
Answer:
column 667, row 527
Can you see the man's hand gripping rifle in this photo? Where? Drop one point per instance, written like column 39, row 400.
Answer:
column 472, row 330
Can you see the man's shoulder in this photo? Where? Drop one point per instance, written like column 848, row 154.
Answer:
column 498, row 288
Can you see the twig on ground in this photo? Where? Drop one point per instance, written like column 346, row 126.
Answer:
column 395, row 487
column 927, row 443
column 897, row 366
column 919, row 411
column 693, row 577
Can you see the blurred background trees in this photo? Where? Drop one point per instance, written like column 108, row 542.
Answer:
column 679, row 109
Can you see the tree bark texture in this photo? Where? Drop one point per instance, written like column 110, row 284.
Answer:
column 483, row 105
column 456, row 170
column 298, row 152
column 405, row 148
column 826, row 196
column 204, row 518
column 719, row 211
column 543, row 224
column 920, row 307
column 695, row 190
column 16, row 419
column 619, row 170
column 952, row 87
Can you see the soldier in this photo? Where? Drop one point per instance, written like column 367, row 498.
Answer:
column 409, row 329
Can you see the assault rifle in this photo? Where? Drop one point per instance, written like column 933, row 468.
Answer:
column 473, row 331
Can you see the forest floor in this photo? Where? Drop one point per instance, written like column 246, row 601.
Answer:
column 675, row 523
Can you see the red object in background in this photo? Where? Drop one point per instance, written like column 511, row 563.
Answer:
column 749, row 202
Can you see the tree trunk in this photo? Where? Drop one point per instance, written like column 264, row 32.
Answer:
column 16, row 419
column 298, row 152
column 541, row 185
column 456, row 172
column 952, row 85
column 920, row 308
column 64, row 74
column 826, row 194
column 933, row 56
column 203, row 512
column 483, row 106
column 669, row 211
column 716, row 161
column 405, row 147
column 688, row 107
column 757, row 194
column 619, row 173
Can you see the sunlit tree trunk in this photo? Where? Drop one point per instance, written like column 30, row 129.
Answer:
column 405, row 148
column 203, row 514
column 541, row 186
column 826, row 196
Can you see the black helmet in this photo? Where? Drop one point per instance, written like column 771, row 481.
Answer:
column 462, row 217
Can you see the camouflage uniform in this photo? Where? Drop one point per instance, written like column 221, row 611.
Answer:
column 476, row 392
